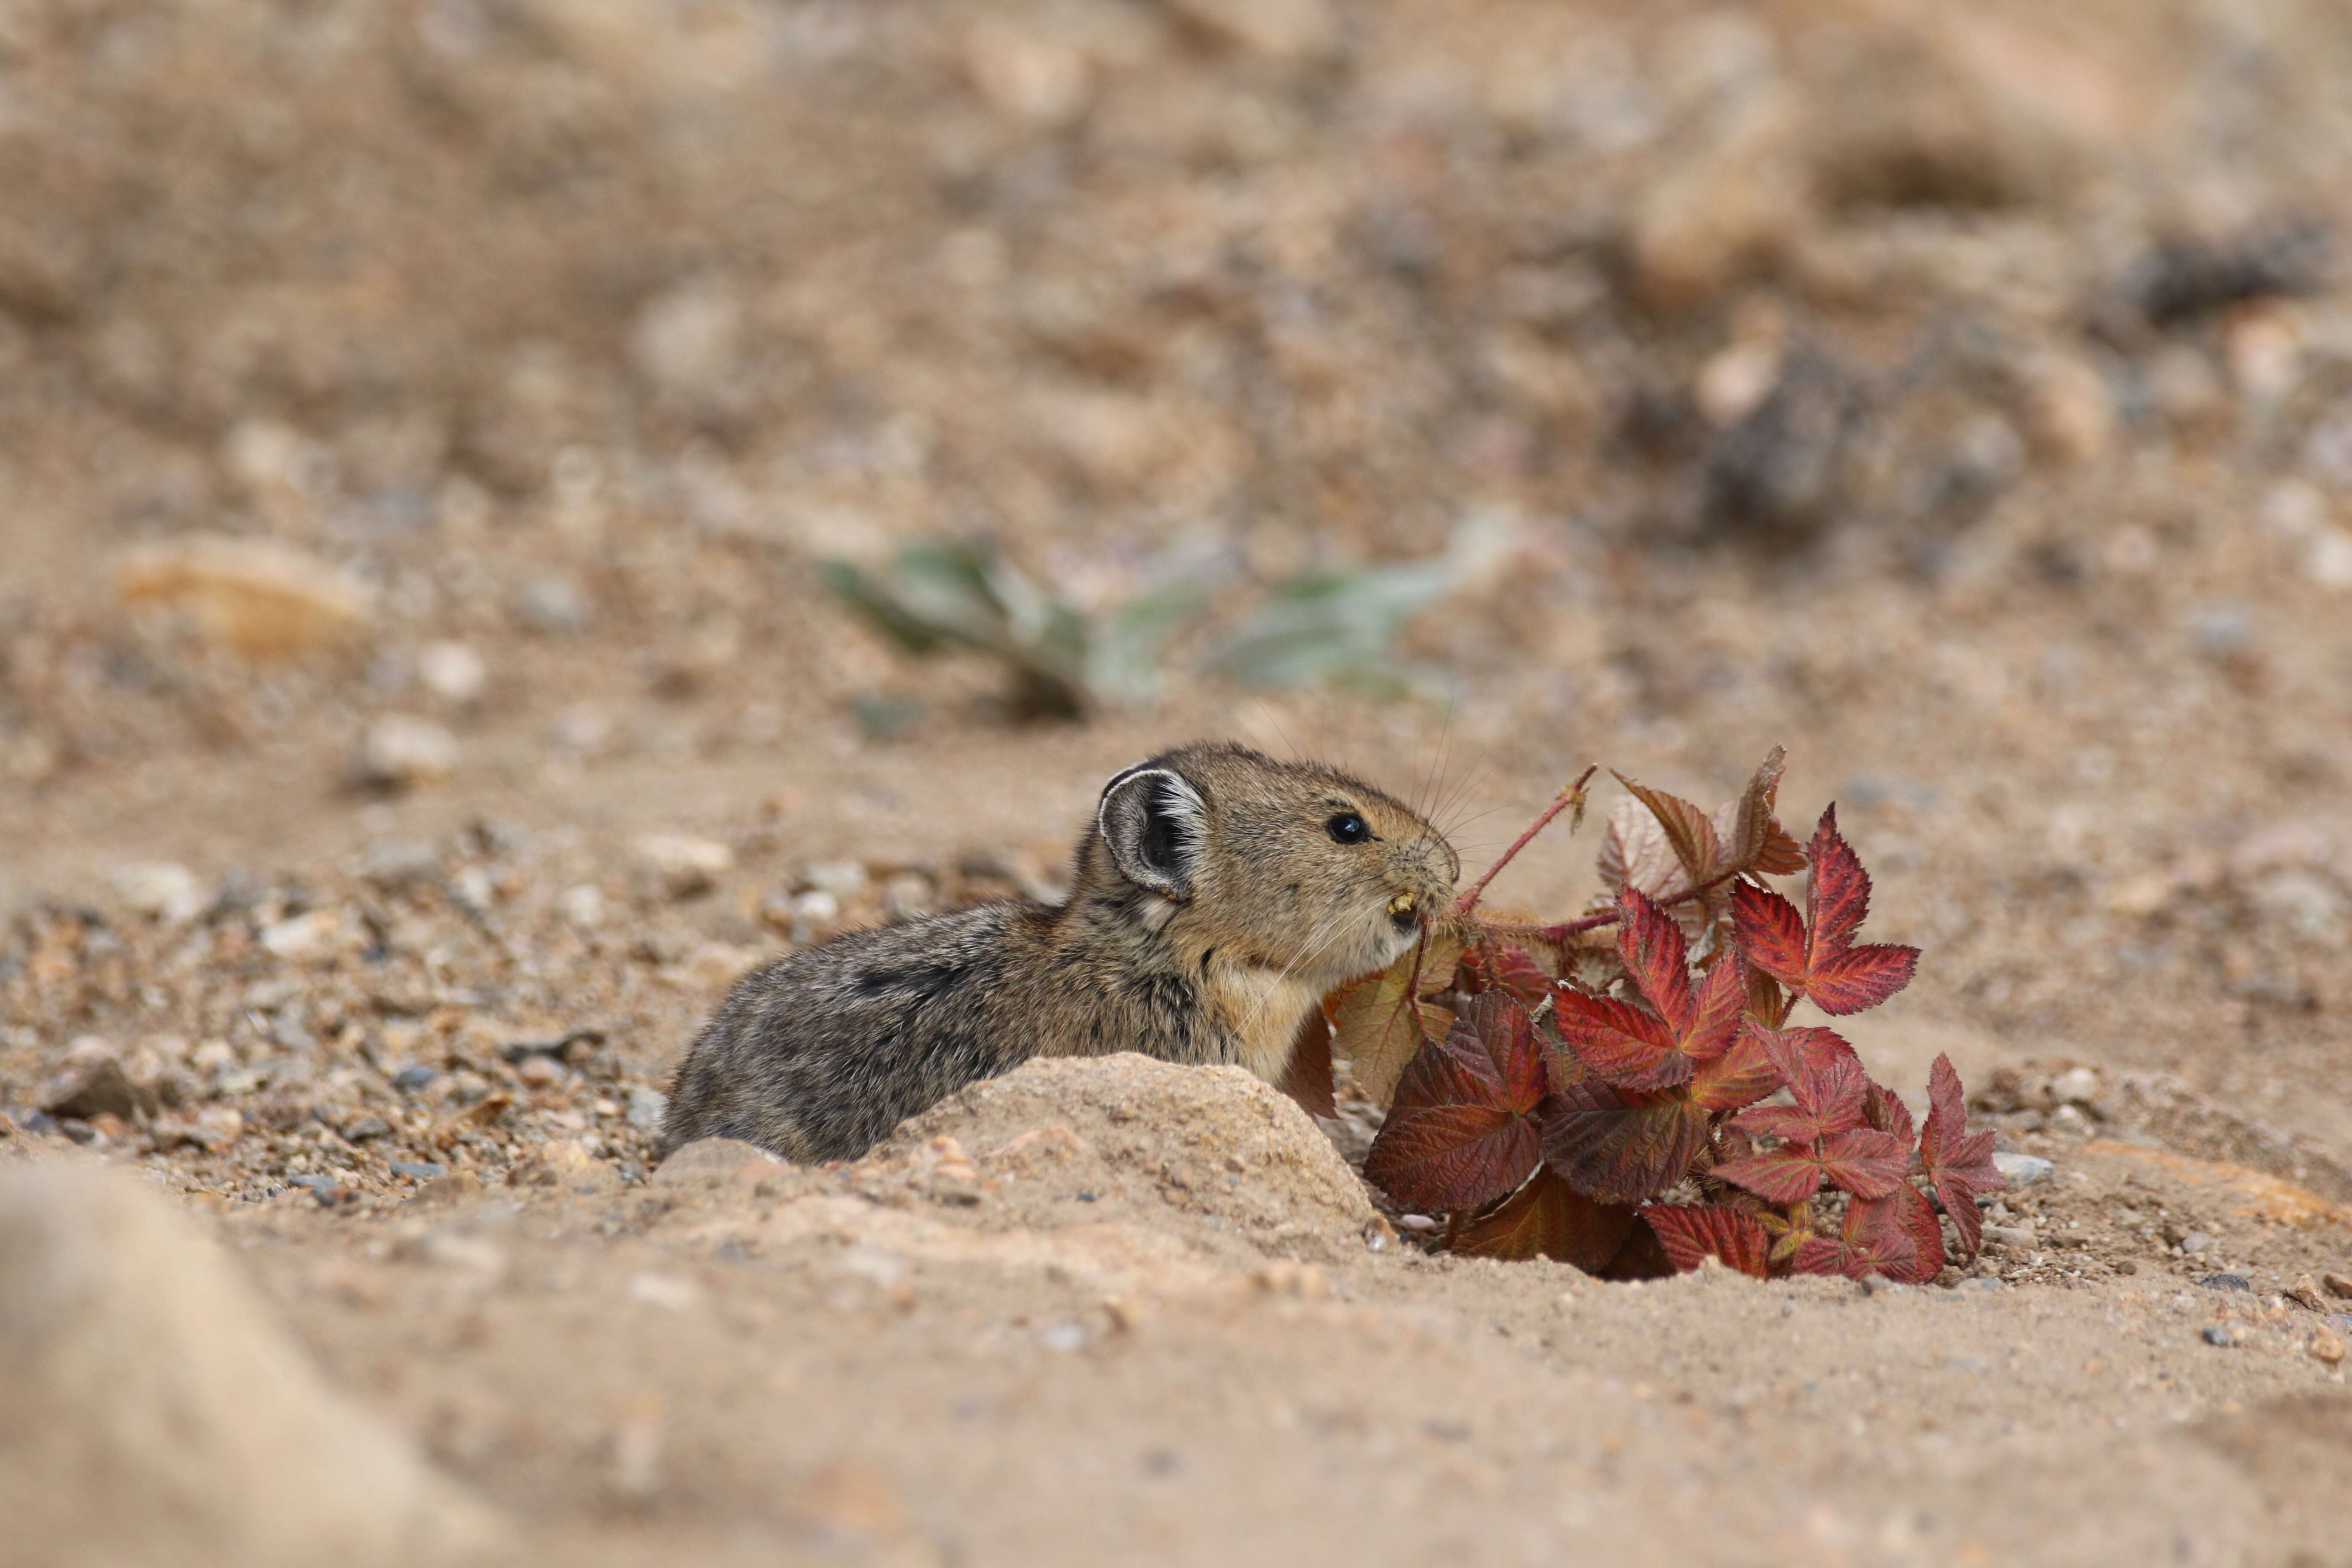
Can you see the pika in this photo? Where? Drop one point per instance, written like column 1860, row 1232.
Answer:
column 1216, row 899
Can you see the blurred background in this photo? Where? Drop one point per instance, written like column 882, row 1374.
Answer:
column 852, row 429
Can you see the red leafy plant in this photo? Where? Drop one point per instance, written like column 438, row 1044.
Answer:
column 1626, row 1090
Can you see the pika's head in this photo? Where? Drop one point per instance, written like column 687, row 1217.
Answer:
column 1286, row 864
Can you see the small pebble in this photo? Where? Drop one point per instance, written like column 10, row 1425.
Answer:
column 418, row 1169
column 2195, row 1242
column 685, row 865
column 2221, row 1335
column 401, row 750
column 2338, row 1285
column 413, row 1079
column 452, row 671
column 2227, row 1282
column 1419, row 1222
column 159, row 890
column 2022, row 1170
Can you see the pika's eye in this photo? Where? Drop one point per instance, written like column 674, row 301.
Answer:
column 1346, row 828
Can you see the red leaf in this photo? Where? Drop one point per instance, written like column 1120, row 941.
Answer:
column 1883, row 1109
column 1866, row 1163
column 1618, row 1040
column 1739, row 1077
column 1548, row 1218
column 1771, row 932
column 1621, row 1147
column 1822, row 960
column 1626, row 1045
column 1784, row 1176
column 1307, row 1076
column 1692, row 1232
column 1895, row 1235
column 1687, row 829
column 1824, row 1077
column 1461, row 1131
column 1495, row 966
column 1959, row 1161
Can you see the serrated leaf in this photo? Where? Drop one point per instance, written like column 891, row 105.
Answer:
column 1692, row 1232
column 1860, row 1161
column 1307, row 1077
column 1745, row 826
column 1894, row 1236
column 1462, row 1130
column 1959, row 1163
column 1738, row 1078
column 1632, row 1048
column 1688, row 831
column 1883, row 1109
column 1621, row 1146
column 1823, row 1076
column 1549, row 1219
column 1495, row 966
column 1636, row 853
column 1817, row 957
column 1379, row 1023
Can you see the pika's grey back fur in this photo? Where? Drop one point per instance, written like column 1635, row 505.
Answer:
column 1216, row 897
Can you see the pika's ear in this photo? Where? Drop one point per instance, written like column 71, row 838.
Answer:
column 1152, row 821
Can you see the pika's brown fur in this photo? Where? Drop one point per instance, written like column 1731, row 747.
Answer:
column 1218, row 895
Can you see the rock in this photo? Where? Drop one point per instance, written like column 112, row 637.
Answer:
column 392, row 863
column 687, row 342
column 646, row 1109
column 261, row 599
column 2195, row 1242
column 2305, row 1293
column 555, row 606
column 156, row 1414
column 452, row 672
column 160, row 889
column 1031, row 75
column 419, row 1170
column 566, row 1164
column 303, row 938
column 401, row 750
column 2016, row 1238
column 2326, row 1348
column 2076, row 1086
column 2022, row 1170
column 683, row 864
column 2227, row 1282
column 709, row 1160
column 1282, row 29
column 2221, row 1335
column 100, row 1088
column 2338, row 1285
column 841, row 880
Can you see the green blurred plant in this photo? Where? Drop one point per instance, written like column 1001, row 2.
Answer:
column 938, row 594
column 1338, row 625
column 1343, row 625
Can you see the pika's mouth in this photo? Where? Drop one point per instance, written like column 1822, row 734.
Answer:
column 1405, row 914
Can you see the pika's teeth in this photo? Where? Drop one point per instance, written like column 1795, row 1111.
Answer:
column 1402, row 904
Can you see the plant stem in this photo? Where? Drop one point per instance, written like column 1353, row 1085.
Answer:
column 1572, row 795
column 1453, row 1228
column 1565, row 929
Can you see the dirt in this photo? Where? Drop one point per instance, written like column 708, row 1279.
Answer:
column 420, row 432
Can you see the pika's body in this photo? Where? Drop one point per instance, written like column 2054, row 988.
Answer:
column 1215, row 900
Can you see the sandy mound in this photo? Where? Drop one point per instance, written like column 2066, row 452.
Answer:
column 1205, row 1152
column 158, row 1415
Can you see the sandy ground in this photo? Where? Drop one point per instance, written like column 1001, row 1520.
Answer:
column 1965, row 404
